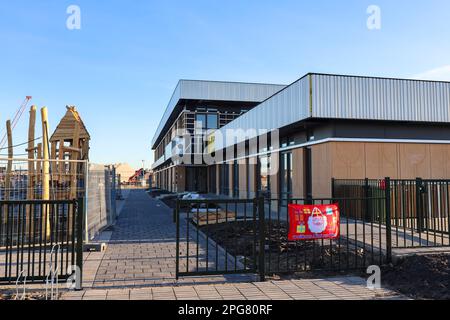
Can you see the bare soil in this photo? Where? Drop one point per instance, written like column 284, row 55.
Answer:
column 420, row 277
column 29, row 296
column 283, row 256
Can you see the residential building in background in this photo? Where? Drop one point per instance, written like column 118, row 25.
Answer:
column 125, row 171
column 141, row 177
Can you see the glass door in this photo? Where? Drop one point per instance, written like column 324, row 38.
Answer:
column 236, row 179
column 285, row 178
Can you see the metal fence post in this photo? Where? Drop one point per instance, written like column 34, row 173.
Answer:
column 177, row 218
column 80, row 212
column 333, row 190
column 388, row 220
column 419, row 206
column 113, row 194
column 255, row 234
column 262, row 240
column 86, row 204
column 119, row 186
column 368, row 215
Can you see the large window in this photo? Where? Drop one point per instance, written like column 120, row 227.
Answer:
column 286, row 176
column 212, row 179
column 207, row 120
column 212, row 121
column 264, row 176
column 224, row 179
column 236, row 179
column 249, row 177
column 265, row 143
column 200, row 119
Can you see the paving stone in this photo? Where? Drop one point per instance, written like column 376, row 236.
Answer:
column 141, row 252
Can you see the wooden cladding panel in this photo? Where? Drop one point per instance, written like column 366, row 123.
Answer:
column 414, row 161
column 357, row 160
column 181, row 178
column 274, row 177
column 348, row 160
column 242, row 179
column 322, row 161
column 440, row 161
column 381, row 160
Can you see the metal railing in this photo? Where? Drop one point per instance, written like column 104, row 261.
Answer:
column 251, row 236
column 360, row 243
column 420, row 208
column 200, row 251
column 28, row 232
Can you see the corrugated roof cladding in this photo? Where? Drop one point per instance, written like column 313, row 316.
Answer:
column 348, row 97
column 366, row 98
column 276, row 112
column 216, row 91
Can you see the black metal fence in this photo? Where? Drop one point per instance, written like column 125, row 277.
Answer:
column 251, row 236
column 360, row 243
column 207, row 238
column 420, row 208
column 40, row 239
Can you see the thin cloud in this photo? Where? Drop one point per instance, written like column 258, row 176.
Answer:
column 439, row 74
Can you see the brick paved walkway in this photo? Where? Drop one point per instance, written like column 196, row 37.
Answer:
column 139, row 264
column 142, row 248
column 342, row 288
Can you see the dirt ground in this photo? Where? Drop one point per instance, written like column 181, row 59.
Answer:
column 420, row 277
column 9, row 295
column 283, row 256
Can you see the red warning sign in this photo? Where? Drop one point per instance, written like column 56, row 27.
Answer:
column 311, row 222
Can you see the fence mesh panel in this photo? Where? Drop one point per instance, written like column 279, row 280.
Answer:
column 100, row 197
column 420, row 208
column 23, row 179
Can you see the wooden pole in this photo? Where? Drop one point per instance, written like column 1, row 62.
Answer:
column 74, row 155
column 45, row 156
column 61, row 161
column 10, row 162
column 31, row 150
column 85, row 155
column 31, row 164
column 74, row 165
column 8, row 169
column 53, row 170
column 39, row 164
column 45, row 166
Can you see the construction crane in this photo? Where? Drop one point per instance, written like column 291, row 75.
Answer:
column 16, row 119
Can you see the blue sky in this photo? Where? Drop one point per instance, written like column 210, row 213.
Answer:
column 120, row 69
